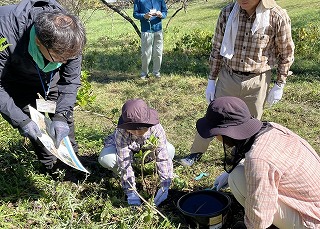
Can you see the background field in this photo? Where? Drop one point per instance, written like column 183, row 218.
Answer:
column 29, row 199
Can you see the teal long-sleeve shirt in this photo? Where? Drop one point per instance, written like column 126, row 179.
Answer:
column 141, row 7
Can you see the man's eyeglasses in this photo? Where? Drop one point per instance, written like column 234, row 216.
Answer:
column 50, row 54
column 60, row 60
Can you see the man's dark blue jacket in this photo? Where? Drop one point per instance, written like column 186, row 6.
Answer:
column 19, row 78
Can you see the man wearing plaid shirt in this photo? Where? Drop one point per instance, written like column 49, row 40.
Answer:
column 251, row 38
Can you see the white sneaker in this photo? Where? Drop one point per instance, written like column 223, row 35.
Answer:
column 157, row 75
column 190, row 159
column 144, row 76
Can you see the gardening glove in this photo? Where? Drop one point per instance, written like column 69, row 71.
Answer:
column 133, row 199
column 275, row 94
column 58, row 131
column 210, row 91
column 161, row 195
column 221, row 181
column 30, row 129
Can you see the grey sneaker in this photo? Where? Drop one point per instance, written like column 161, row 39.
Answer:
column 144, row 76
column 191, row 159
column 157, row 75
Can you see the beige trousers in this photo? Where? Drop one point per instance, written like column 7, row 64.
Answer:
column 285, row 218
column 151, row 48
column 251, row 89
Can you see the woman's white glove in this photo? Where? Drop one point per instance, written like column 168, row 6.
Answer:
column 275, row 94
column 221, row 181
column 210, row 91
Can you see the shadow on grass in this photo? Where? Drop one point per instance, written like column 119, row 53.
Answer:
column 105, row 67
column 15, row 184
column 115, row 67
column 305, row 70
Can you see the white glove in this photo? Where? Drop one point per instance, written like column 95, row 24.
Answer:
column 275, row 94
column 221, row 181
column 210, row 91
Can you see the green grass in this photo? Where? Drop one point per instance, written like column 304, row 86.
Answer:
column 30, row 199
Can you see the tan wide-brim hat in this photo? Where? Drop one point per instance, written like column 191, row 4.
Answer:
column 269, row 3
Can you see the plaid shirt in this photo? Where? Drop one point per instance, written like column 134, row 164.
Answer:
column 255, row 53
column 127, row 144
column 281, row 166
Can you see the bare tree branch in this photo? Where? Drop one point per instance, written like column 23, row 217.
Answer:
column 183, row 6
column 116, row 7
column 118, row 10
column 175, row 13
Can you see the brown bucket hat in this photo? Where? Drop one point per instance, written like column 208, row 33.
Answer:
column 136, row 115
column 269, row 3
column 228, row 116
